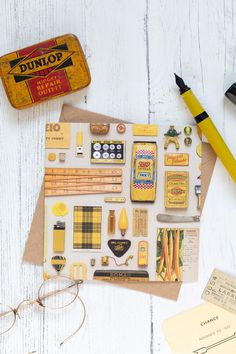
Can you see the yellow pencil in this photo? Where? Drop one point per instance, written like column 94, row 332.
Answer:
column 207, row 127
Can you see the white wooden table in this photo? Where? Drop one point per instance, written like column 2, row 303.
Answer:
column 133, row 47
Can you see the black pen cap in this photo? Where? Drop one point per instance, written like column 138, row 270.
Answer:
column 231, row 93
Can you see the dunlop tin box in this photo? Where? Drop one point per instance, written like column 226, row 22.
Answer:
column 43, row 71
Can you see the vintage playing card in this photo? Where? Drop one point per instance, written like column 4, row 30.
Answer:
column 221, row 290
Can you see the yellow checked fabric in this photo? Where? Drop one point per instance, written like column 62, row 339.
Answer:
column 87, row 227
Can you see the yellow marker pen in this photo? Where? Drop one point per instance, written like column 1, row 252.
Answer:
column 207, row 127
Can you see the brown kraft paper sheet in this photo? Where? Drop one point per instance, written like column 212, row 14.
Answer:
column 34, row 246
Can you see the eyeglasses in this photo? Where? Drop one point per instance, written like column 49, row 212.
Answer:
column 55, row 293
column 231, row 93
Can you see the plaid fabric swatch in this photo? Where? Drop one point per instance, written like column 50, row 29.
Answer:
column 87, row 227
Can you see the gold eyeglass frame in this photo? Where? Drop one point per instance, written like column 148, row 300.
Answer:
column 39, row 301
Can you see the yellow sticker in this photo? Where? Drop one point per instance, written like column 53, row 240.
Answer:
column 57, row 136
column 145, row 129
column 59, row 209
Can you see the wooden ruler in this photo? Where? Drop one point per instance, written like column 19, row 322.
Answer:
column 55, row 181
column 76, row 181
column 84, row 172
column 72, row 185
column 79, row 190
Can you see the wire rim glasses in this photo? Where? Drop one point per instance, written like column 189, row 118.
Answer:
column 55, row 293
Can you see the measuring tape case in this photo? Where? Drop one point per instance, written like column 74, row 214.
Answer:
column 43, row 71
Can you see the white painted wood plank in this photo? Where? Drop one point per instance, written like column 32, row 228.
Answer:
column 197, row 43
column 118, row 66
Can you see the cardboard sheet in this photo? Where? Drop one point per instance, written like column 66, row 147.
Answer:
column 34, row 246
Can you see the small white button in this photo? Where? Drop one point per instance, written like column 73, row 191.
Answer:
column 96, row 154
column 97, row 146
column 105, row 147
column 105, row 155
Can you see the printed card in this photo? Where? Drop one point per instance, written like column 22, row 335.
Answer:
column 203, row 329
column 221, row 290
column 121, row 202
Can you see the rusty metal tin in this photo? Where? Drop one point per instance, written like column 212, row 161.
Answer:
column 44, row 71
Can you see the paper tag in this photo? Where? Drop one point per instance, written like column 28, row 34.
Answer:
column 221, row 290
column 57, row 136
column 145, row 129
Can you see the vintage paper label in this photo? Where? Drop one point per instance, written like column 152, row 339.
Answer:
column 57, row 136
column 176, row 189
column 145, row 129
column 176, row 159
column 221, row 290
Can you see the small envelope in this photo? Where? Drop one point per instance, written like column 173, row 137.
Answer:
column 34, row 245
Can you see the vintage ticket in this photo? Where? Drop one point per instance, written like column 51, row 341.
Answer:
column 221, row 290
